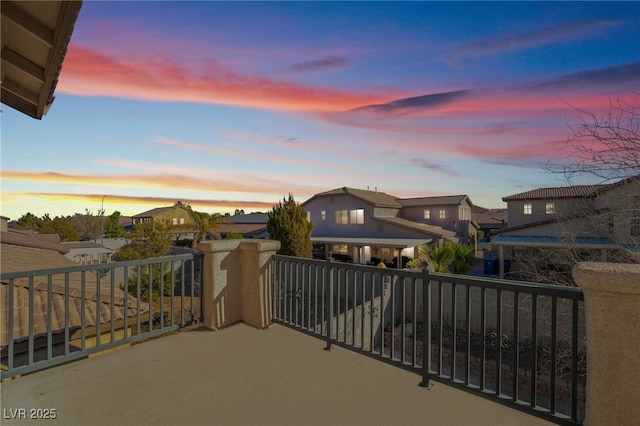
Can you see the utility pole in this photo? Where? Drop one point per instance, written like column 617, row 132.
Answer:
column 102, row 221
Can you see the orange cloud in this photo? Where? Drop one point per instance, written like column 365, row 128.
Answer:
column 90, row 73
column 253, row 185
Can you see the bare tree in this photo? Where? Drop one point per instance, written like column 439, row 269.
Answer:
column 605, row 145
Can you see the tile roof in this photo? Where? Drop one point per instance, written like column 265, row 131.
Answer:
column 378, row 199
column 251, row 218
column 422, row 227
column 433, row 201
column 15, row 258
column 23, row 240
column 152, row 212
column 576, row 191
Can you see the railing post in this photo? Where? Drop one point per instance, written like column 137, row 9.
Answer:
column 236, row 276
column 426, row 329
column 612, row 311
column 329, row 282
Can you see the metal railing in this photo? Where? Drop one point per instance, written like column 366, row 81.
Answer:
column 518, row 343
column 53, row 316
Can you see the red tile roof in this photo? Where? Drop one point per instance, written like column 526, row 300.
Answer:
column 576, row 191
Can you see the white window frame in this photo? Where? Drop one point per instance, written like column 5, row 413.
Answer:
column 442, row 214
column 427, row 214
column 527, row 208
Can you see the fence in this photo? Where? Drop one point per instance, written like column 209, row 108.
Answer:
column 519, row 343
column 53, row 316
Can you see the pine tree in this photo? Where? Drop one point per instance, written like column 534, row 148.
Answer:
column 288, row 223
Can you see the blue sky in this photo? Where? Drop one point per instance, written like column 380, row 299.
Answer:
column 227, row 105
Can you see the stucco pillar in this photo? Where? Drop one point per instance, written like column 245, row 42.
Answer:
column 612, row 311
column 236, row 280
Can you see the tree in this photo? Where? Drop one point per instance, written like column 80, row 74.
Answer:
column 606, row 146
column 147, row 241
column 439, row 257
column 464, row 258
column 288, row 223
column 238, row 212
column 61, row 226
column 112, row 227
column 29, row 221
column 455, row 257
column 88, row 226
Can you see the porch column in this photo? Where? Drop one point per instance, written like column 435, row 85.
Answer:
column 501, row 261
column 236, row 279
column 612, row 311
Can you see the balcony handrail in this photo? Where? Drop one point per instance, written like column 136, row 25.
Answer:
column 98, row 266
column 518, row 342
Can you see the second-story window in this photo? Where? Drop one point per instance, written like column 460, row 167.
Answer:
column 442, row 214
column 323, row 215
column 175, row 220
column 427, row 214
column 182, row 221
column 342, row 217
column 357, row 216
column 550, row 208
column 528, row 209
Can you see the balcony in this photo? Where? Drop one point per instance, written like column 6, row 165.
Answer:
column 241, row 374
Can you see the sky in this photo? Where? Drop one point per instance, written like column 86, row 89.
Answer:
column 235, row 105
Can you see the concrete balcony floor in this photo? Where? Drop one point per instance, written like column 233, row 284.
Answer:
column 244, row 376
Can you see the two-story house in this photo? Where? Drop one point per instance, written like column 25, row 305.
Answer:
column 366, row 226
column 174, row 215
column 550, row 228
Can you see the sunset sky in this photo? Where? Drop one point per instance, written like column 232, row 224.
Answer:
column 227, row 105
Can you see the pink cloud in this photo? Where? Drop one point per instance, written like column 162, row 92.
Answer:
column 88, row 72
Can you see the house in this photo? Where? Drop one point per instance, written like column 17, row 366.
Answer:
column 489, row 220
column 552, row 228
column 253, row 225
column 366, row 226
column 88, row 252
column 20, row 252
column 174, row 215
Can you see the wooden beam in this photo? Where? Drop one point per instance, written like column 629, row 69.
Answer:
column 19, row 61
column 18, row 90
column 11, row 11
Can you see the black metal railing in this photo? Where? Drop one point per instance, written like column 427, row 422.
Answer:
column 53, row 316
column 520, row 343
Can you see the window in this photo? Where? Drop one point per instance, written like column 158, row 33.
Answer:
column 342, row 217
column 357, row 216
column 175, row 220
column 442, row 214
column 182, row 221
column 635, row 224
column 549, row 208
column 527, row 208
column 323, row 215
column 308, row 216
column 427, row 214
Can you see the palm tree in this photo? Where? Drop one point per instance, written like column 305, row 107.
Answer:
column 439, row 257
column 464, row 258
column 453, row 256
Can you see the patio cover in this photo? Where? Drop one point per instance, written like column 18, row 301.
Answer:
column 552, row 241
column 372, row 242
